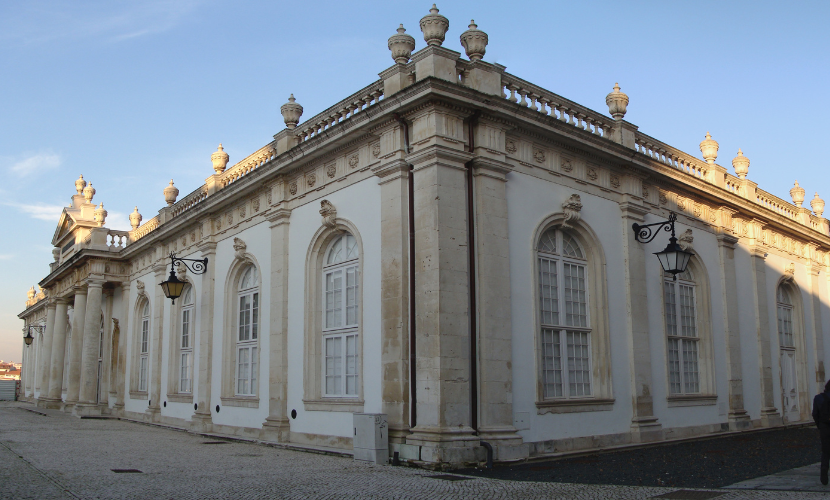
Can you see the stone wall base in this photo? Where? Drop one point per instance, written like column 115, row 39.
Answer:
column 86, row 410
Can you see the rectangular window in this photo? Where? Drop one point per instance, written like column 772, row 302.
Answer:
column 185, row 383
column 579, row 370
column 186, row 329
column 245, row 318
column 548, row 293
column 341, row 361
column 785, row 326
column 681, row 330
column 334, row 367
column 142, row 374
column 351, row 296
column 145, row 335
column 576, row 301
column 552, row 364
column 577, row 377
column 334, row 299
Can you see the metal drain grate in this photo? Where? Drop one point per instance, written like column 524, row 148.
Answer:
column 691, row 495
column 450, row 477
column 126, row 471
column 214, row 442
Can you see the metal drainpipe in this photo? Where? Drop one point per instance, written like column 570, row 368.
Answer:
column 471, row 121
column 413, row 399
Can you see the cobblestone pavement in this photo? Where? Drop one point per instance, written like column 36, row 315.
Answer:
column 60, row 456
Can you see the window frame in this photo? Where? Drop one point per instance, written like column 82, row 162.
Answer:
column 188, row 310
column 143, row 381
column 686, row 279
column 249, row 345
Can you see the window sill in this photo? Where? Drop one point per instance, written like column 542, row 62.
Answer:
column 692, row 400
column 180, row 398
column 573, row 405
column 350, row 405
column 242, row 401
column 138, row 395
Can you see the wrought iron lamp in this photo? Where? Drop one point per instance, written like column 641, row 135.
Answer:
column 673, row 258
column 173, row 286
column 28, row 338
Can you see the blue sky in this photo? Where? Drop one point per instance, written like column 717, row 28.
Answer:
column 131, row 94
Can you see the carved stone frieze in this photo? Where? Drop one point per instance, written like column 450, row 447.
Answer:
column 375, row 151
column 567, row 166
column 511, row 146
column 311, row 179
column 255, row 204
column 539, row 156
column 592, row 173
column 615, row 181
column 354, row 160
column 663, row 198
column 331, row 170
column 292, row 188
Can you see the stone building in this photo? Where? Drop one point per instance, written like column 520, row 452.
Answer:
column 451, row 246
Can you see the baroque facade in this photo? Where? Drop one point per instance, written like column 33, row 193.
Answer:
column 450, row 246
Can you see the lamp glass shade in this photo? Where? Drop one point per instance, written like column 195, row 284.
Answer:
column 28, row 338
column 172, row 287
column 673, row 258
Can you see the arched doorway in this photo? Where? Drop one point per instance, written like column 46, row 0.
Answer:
column 788, row 354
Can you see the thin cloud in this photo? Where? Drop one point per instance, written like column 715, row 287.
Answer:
column 6, row 256
column 42, row 211
column 35, row 164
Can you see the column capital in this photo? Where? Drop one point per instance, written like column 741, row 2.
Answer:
column 633, row 211
column 79, row 289
column 726, row 240
column 489, row 167
column 207, row 248
column 759, row 251
column 448, row 157
column 278, row 216
column 391, row 170
column 94, row 283
column 62, row 300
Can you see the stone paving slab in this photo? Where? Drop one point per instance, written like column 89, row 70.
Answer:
column 60, row 456
column 799, row 479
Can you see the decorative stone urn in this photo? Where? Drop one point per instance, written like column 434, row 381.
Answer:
column 80, row 184
column 220, row 159
column 31, row 293
column 56, row 254
column 797, row 194
column 100, row 215
column 401, row 46
column 135, row 219
column 617, row 102
column 741, row 164
column 170, row 193
column 818, row 205
column 291, row 112
column 89, row 192
column 474, row 41
column 434, row 26
column 709, row 148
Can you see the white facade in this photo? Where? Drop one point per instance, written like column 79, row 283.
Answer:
column 484, row 221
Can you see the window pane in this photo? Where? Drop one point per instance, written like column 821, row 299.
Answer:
column 186, row 328
column 253, row 370
column 351, row 247
column 245, row 317
column 336, row 252
column 142, row 374
column 548, row 241
column 570, row 247
column 548, row 292
column 351, row 365
column 243, row 372
column 255, row 316
column 671, row 308
column 579, row 371
column 185, row 382
column 333, row 366
column 334, row 298
column 351, row 296
column 674, row 366
column 576, row 300
column 145, row 335
column 691, row 383
column 551, row 364
column 687, row 311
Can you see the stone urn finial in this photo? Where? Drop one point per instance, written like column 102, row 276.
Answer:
column 220, row 159
column 135, row 219
column 80, row 184
column 741, row 164
column 818, row 205
column 170, row 193
column 709, row 148
column 31, row 293
column 291, row 112
column 100, row 215
column 434, row 26
column 56, row 253
column 401, row 46
column 617, row 102
column 797, row 194
column 89, row 192
column 474, row 41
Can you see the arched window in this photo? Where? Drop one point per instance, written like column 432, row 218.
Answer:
column 340, row 318
column 682, row 332
column 144, row 347
column 247, row 333
column 186, row 343
column 788, row 354
column 565, row 323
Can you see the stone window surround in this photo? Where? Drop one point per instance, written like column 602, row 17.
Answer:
column 173, row 362
column 705, row 353
column 799, row 342
column 140, row 300
column 313, row 345
column 228, row 395
column 601, row 388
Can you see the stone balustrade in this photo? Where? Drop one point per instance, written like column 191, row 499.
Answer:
column 556, row 106
column 117, row 240
column 733, row 185
column 670, row 156
column 189, row 201
column 144, row 229
column 776, row 204
column 252, row 162
column 355, row 103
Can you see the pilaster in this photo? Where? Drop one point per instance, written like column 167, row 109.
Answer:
column 88, row 400
column 46, row 355
column 277, row 426
column 121, row 361
column 815, row 310
column 58, row 352
column 201, row 421
column 153, row 411
column 738, row 417
column 106, row 354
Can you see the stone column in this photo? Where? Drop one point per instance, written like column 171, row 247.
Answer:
column 153, row 412
column 58, row 351
column 277, row 425
column 88, row 399
column 815, row 293
column 73, row 383
column 106, row 350
column 769, row 414
column 201, row 421
column 395, row 281
column 442, row 307
column 738, row 418
column 46, row 355
column 495, row 327
column 121, row 362
column 644, row 425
